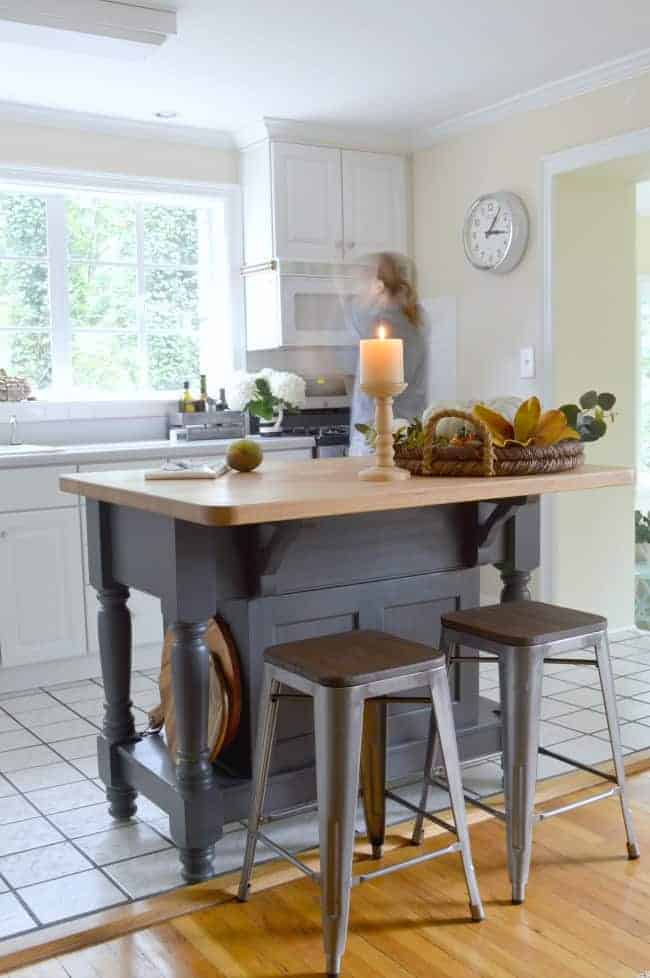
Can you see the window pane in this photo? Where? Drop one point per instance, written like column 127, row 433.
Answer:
column 24, row 295
column 100, row 229
column 25, row 354
column 102, row 296
column 172, row 359
column 105, row 362
column 171, row 235
column 172, row 299
column 23, row 226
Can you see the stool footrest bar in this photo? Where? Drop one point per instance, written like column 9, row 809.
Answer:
column 572, row 662
column 473, row 658
column 573, row 763
column 364, row 877
column 610, row 793
column 472, row 798
column 303, row 867
column 419, row 811
column 283, row 813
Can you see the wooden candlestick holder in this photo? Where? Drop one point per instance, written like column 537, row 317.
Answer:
column 385, row 469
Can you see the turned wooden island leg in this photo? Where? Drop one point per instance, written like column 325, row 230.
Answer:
column 196, row 832
column 115, row 649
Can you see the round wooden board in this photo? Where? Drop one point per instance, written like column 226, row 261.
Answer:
column 222, row 644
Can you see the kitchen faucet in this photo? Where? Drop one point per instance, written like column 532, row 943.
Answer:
column 13, row 427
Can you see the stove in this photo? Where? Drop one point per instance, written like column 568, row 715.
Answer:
column 330, row 429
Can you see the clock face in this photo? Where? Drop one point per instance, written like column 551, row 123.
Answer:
column 495, row 232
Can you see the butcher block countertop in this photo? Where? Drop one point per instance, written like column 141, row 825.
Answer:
column 280, row 491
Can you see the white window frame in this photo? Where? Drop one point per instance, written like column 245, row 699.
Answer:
column 226, row 294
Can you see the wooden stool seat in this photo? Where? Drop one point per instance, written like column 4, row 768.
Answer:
column 353, row 658
column 524, row 623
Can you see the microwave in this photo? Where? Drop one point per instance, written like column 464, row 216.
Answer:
column 298, row 304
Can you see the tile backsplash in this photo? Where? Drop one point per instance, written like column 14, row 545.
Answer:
column 86, row 422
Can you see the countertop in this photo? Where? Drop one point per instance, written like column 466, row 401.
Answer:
column 121, row 451
column 284, row 490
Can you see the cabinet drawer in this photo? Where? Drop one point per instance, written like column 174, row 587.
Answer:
column 122, row 464
column 141, row 463
column 297, row 454
column 34, row 488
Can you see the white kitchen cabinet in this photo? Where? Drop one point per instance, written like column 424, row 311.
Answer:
column 307, row 202
column 374, row 204
column 321, row 203
column 41, row 586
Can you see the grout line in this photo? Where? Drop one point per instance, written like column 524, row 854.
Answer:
column 53, row 825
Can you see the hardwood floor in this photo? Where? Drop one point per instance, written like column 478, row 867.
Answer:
column 587, row 915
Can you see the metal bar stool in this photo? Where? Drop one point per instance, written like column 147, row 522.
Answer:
column 523, row 635
column 342, row 673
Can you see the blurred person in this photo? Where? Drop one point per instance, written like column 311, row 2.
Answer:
column 388, row 296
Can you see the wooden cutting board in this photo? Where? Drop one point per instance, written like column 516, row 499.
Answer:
column 225, row 695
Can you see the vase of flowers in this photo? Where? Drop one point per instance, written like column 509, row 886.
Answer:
column 267, row 395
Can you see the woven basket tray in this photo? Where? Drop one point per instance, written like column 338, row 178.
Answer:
column 482, row 457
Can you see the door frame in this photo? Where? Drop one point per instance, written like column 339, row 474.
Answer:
column 554, row 164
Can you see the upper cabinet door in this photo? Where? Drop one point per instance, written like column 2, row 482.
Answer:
column 307, row 199
column 374, row 204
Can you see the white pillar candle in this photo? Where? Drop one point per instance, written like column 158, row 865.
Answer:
column 382, row 360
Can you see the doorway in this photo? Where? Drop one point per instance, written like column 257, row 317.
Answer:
column 597, row 317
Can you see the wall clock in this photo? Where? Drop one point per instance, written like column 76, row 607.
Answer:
column 495, row 232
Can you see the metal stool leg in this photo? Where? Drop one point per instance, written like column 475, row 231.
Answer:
column 433, row 758
column 520, row 675
column 449, row 748
column 268, row 714
column 338, row 722
column 609, row 697
column 373, row 774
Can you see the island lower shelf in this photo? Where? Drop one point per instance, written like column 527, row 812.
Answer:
column 147, row 765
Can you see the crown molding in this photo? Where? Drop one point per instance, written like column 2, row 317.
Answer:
column 602, row 76
column 372, row 138
column 34, row 115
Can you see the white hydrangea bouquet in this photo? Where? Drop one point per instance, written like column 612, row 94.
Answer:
column 266, row 395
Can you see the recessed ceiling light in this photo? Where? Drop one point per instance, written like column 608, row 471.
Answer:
column 166, row 114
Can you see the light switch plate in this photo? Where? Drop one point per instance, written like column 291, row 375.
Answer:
column 527, row 362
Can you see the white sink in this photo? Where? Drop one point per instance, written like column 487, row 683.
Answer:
column 29, row 449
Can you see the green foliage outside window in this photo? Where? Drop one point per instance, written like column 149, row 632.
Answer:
column 101, row 275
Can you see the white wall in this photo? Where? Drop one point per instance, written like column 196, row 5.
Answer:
column 496, row 316
column 499, row 315
column 22, row 144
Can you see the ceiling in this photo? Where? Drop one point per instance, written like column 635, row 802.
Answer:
column 345, row 62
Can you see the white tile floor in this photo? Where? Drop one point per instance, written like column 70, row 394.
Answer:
column 62, row 855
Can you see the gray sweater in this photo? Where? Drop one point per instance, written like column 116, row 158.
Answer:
column 363, row 321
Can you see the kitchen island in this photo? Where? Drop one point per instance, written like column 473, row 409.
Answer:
column 293, row 550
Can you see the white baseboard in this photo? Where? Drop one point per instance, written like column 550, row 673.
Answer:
column 14, row 679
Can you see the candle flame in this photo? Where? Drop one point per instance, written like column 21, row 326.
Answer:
column 381, row 332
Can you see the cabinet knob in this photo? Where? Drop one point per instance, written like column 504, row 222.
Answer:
column 3, row 534
column 351, row 245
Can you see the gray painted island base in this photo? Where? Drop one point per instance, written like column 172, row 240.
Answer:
column 396, row 571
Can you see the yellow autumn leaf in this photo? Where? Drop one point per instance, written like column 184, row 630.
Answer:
column 498, row 426
column 552, row 428
column 527, row 419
